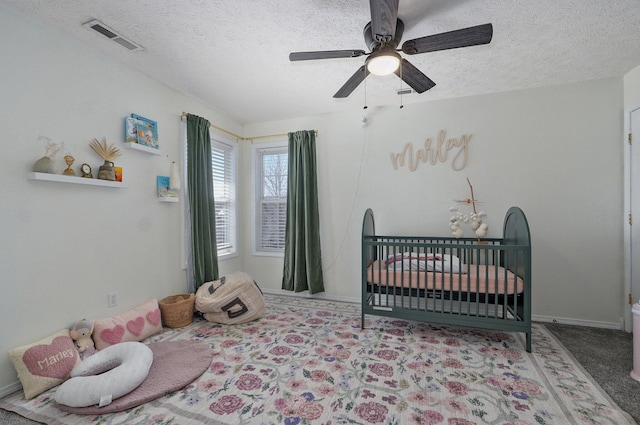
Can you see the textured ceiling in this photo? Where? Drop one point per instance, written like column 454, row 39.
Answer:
column 233, row 54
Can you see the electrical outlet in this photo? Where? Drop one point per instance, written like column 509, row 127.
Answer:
column 112, row 299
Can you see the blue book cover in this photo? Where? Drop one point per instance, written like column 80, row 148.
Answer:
column 163, row 188
column 147, row 131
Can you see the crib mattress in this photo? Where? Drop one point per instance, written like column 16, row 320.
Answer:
column 479, row 279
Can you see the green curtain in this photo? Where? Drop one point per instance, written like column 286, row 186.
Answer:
column 204, row 249
column 302, row 257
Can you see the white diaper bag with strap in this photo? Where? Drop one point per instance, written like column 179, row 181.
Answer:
column 235, row 298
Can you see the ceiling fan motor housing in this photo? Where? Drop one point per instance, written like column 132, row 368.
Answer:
column 374, row 45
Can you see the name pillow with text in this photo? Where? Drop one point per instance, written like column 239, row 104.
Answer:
column 44, row 364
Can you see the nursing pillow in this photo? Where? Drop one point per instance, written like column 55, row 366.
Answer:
column 107, row 375
column 419, row 261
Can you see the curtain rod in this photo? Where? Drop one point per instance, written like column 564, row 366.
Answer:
column 184, row 114
column 273, row 135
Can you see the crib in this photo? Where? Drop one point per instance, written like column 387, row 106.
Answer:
column 469, row 282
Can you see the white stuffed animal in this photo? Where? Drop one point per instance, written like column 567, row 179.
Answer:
column 81, row 334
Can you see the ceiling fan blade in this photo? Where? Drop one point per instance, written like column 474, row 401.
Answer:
column 326, row 54
column 464, row 37
column 414, row 77
column 384, row 15
column 352, row 82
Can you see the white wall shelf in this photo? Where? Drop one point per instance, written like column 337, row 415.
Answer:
column 143, row 148
column 168, row 199
column 61, row 178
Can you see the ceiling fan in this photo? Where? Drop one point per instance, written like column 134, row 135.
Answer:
column 383, row 35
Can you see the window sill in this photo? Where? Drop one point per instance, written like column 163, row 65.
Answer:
column 268, row 254
column 227, row 256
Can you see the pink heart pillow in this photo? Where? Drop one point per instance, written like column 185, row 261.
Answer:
column 134, row 325
column 154, row 317
column 112, row 335
column 44, row 364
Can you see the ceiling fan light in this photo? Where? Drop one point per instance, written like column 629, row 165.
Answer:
column 383, row 63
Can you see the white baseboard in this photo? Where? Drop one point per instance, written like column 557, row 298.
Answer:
column 321, row 296
column 11, row 388
column 578, row 322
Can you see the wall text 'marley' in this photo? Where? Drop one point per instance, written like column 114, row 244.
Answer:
column 434, row 154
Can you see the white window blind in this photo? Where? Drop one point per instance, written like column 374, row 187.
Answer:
column 272, row 171
column 222, row 164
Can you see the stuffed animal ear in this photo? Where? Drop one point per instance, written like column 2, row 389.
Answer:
column 84, row 323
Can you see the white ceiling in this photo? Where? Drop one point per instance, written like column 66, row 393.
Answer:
column 233, row 54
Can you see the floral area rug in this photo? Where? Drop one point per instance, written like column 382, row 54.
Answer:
column 308, row 362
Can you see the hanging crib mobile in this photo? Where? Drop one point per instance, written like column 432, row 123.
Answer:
column 474, row 218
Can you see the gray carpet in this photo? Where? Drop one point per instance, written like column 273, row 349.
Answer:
column 608, row 356
column 605, row 354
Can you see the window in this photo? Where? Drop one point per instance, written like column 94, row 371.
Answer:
column 271, row 197
column 224, row 179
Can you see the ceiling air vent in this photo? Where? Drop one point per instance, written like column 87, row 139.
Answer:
column 112, row 35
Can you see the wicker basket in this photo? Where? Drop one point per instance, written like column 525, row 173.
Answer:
column 177, row 310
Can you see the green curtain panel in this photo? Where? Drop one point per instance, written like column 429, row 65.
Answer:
column 201, row 203
column 302, row 257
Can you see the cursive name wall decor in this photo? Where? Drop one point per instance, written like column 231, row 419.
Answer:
column 434, row 154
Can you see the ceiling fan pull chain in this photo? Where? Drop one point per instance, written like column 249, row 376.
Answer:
column 365, row 94
column 401, row 91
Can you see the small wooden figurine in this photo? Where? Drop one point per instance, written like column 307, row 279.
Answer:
column 69, row 160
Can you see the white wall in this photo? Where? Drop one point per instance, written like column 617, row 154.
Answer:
column 64, row 246
column 632, row 87
column 555, row 152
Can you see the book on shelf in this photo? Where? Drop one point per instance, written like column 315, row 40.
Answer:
column 164, row 191
column 142, row 131
column 131, row 130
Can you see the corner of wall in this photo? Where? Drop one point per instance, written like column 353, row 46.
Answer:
column 631, row 82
